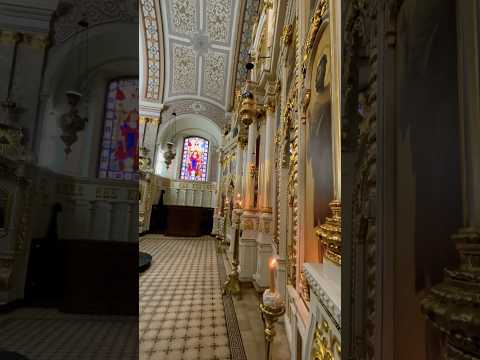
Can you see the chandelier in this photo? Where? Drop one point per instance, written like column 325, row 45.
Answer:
column 70, row 123
column 170, row 154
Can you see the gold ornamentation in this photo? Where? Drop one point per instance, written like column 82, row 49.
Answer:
column 305, row 102
column 361, row 33
column 149, row 120
column 305, row 287
column 248, row 110
column 330, row 234
column 326, row 345
column 267, row 5
column 9, row 37
column 248, row 225
column 252, row 170
column 453, row 306
column 312, row 33
column 38, row 41
column 287, row 34
column 11, row 141
column 270, row 315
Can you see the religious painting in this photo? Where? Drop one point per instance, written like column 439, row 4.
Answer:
column 194, row 159
column 119, row 149
column 319, row 133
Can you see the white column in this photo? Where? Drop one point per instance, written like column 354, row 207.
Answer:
column 238, row 168
column 268, row 160
column 265, row 232
column 251, row 166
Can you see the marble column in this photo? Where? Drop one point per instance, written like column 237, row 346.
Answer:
column 265, row 229
column 238, row 178
column 251, row 166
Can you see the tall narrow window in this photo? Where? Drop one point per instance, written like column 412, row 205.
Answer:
column 194, row 159
column 119, row 149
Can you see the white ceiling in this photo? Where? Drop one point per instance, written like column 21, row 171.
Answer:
column 193, row 54
column 199, row 46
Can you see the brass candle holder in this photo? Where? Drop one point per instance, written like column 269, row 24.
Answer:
column 232, row 285
column 272, row 309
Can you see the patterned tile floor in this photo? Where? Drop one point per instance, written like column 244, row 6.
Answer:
column 181, row 308
column 46, row 334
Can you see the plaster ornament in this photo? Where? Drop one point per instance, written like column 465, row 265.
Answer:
column 70, row 123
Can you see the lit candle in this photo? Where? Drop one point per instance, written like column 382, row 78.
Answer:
column 273, row 265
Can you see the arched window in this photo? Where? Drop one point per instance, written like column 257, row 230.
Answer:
column 194, row 159
column 119, row 147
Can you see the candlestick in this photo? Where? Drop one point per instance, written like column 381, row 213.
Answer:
column 273, row 265
column 272, row 308
column 232, row 285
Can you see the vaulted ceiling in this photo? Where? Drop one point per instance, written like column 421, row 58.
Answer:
column 194, row 52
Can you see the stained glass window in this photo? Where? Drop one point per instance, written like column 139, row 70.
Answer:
column 194, row 159
column 119, row 149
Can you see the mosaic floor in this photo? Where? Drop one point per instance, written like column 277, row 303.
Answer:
column 182, row 312
column 46, row 334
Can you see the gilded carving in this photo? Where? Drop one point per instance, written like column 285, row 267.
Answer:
column 312, row 33
column 287, row 34
column 326, row 345
column 453, row 306
column 9, row 37
column 305, row 287
column 330, row 234
column 360, row 33
column 248, row 225
column 11, row 142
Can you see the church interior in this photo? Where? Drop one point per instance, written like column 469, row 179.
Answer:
column 240, row 179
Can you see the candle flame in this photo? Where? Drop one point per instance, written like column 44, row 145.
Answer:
column 273, row 263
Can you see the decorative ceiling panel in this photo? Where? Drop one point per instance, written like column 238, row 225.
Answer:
column 215, row 68
column 200, row 39
column 69, row 13
column 183, row 16
column 184, row 70
column 219, row 17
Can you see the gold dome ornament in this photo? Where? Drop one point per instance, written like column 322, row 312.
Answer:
column 248, row 110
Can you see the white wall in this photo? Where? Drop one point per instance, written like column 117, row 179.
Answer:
column 108, row 59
